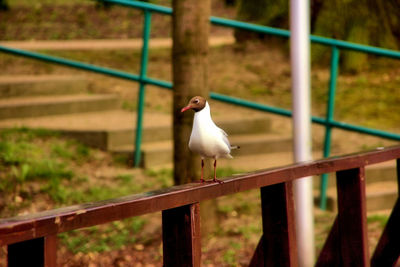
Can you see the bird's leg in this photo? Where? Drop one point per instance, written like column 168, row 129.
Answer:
column 215, row 169
column 215, row 173
column 202, row 171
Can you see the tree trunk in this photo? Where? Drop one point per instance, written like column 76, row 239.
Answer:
column 190, row 76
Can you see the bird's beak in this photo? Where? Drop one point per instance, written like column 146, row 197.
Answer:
column 186, row 108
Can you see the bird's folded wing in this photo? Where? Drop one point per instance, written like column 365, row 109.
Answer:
column 225, row 138
column 223, row 132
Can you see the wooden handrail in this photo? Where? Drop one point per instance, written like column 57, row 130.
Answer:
column 173, row 201
column 40, row 224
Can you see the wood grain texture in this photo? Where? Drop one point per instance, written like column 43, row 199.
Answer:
column 347, row 242
column 330, row 253
column 50, row 251
column 277, row 246
column 387, row 251
column 181, row 236
column 352, row 217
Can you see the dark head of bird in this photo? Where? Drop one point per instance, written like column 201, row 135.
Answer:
column 197, row 103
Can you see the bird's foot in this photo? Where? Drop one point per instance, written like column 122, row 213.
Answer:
column 216, row 181
column 202, row 181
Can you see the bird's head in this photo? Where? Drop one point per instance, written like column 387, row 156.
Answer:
column 197, row 103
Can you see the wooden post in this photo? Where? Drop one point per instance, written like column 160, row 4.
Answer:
column 277, row 246
column 347, row 243
column 352, row 217
column 387, row 251
column 330, row 253
column 37, row 252
column 181, row 236
column 50, row 251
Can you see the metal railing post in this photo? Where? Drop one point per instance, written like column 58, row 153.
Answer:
column 329, row 118
column 142, row 87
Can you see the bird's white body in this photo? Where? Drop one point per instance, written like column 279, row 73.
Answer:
column 207, row 139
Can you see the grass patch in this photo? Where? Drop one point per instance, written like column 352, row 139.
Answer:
column 120, row 185
column 378, row 218
column 229, row 256
column 125, row 178
column 37, row 159
column 39, row 164
column 103, row 238
column 162, row 178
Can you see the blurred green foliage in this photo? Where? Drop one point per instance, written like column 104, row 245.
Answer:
column 367, row 22
column 4, row 5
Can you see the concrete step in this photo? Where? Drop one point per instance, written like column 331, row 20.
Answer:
column 105, row 44
column 22, row 107
column 158, row 133
column 261, row 143
column 160, row 153
column 110, row 129
column 35, row 85
column 99, row 129
column 380, row 196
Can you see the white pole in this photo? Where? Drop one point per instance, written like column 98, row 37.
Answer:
column 300, row 65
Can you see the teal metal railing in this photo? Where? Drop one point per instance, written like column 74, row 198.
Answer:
column 142, row 86
column 329, row 122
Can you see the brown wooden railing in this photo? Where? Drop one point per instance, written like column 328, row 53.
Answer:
column 31, row 240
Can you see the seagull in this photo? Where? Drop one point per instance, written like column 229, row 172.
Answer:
column 207, row 139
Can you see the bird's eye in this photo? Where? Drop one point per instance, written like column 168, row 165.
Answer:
column 196, row 101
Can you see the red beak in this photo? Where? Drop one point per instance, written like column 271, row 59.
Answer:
column 186, row 108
